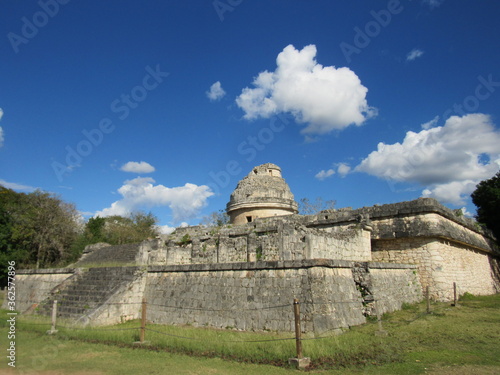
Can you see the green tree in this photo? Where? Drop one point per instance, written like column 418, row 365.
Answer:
column 46, row 228
column 94, row 229
column 486, row 197
column 115, row 230
column 93, row 233
column 137, row 227
column 9, row 201
column 36, row 229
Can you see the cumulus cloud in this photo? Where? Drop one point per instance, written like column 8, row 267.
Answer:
column 343, row 169
column 184, row 201
column 448, row 160
column 453, row 192
column 216, row 92
column 324, row 98
column 137, row 167
column 166, row 229
column 430, row 124
column 414, row 54
column 321, row 175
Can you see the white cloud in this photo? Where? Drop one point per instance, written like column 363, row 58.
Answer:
column 321, row 175
column 1, row 113
column 343, row 169
column 324, row 98
column 448, row 160
column 137, row 167
column 166, row 229
column 466, row 213
column 184, row 201
column 216, row 92
column 430, row 124
column 16, row 186
column 414, row 54
column 453, row 192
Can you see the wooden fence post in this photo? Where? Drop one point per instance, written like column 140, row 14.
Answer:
column 299, row 361
column 54, row 319
column 298, row 331
column 454, row 294
column 143, row 321
column 428, row 297
column 381, row 331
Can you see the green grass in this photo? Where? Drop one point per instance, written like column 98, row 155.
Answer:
column 449, row 339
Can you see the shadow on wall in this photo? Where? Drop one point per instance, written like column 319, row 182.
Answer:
column 495, row 272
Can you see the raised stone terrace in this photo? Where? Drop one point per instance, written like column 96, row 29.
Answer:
column 81, row 295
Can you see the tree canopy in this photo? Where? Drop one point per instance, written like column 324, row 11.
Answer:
column 486, row 197
column 41, row 230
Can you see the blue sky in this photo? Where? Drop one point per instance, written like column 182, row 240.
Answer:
column 165, row 106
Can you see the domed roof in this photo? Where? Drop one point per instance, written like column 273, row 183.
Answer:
column 262, row 186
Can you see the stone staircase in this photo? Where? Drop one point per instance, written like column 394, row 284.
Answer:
column 111, row 255
column 88, row 291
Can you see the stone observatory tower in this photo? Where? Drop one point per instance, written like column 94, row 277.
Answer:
column 263, row 193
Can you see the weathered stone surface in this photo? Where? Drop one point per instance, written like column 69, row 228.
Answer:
column 119, row 254
column 440, row 263
column 85, row 295
column 34, row 286
column 246, row 296
column 262, row 193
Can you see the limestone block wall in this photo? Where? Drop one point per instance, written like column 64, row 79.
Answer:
column 351, row 244
column 255, row 296
column 246, row 296
column 271, row 240
column 440, row 263
column 428, row 224
column 125, row 304
column 232, row 249
column 392, row 287
column 33, row 286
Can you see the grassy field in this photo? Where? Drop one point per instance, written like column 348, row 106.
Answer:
column 451, row 340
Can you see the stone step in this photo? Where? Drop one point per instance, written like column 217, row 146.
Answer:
column 123, row 254
column 88, row 291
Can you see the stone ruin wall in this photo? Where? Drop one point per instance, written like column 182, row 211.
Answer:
column 334, row 295
column 34, row 286
column 279, row 240
column 444, row 250
column 212, row 272
column 440, row 264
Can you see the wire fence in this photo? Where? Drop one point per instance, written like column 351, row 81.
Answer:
column 154, row 329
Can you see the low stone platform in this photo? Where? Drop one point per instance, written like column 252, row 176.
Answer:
column 247, row 295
